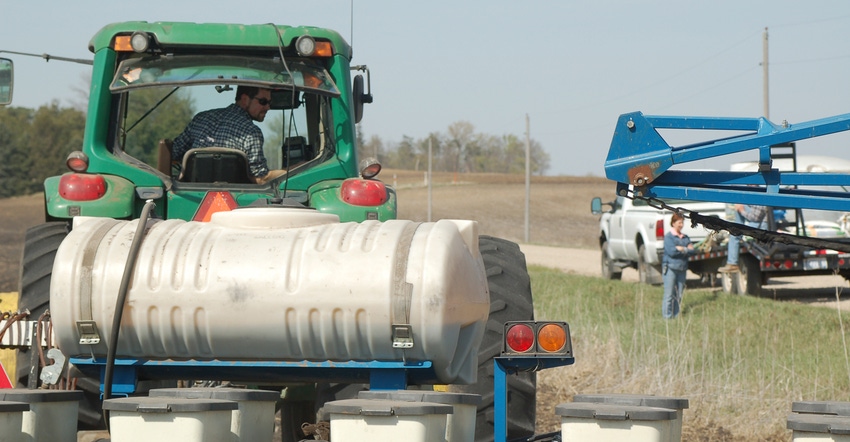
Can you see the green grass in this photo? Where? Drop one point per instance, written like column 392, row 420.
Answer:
column 740, row 360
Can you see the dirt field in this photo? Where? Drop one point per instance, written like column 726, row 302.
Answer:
column 16, row 215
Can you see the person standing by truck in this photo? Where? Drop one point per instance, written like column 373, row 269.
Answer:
column 677, row 247
column 748, row 215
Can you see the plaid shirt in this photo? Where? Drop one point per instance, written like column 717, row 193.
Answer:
column 226, row 127
column 755, row 213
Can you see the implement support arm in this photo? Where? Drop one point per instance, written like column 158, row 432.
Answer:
column 640, row 157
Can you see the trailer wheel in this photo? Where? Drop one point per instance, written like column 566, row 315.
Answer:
column 40, row 245
column 510, row 300
column 746, row 281
column 750, row 277
column 648, row 273
column 609, row 270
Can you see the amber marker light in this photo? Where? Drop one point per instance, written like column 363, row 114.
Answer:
column 551, row 338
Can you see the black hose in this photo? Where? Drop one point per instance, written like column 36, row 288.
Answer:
column 119, row 303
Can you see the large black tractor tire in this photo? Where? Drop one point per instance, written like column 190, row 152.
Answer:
column 510, row 300
column 40, row 245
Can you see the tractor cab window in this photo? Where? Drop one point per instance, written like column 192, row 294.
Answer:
column 157, row 97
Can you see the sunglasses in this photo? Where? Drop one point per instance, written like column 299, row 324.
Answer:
column 263, row 101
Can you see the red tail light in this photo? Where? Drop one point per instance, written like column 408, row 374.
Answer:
column 519, row 338
column 659, row 229
column 214, row 202
column 360, row 192
column 81, row 186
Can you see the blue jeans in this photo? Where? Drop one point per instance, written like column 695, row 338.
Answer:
column 734, row 246
column 674, row 288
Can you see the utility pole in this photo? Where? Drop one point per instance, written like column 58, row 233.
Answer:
column 527, row 176
column 430, row 179
column 765, row 82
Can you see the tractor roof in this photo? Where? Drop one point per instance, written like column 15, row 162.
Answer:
column 218, row 34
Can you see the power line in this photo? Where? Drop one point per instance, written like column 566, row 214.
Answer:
column 811, row 60
column 636, row 90
column 712, row 87
column 809, row 22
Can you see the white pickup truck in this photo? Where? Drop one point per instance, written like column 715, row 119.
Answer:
column 631, row 234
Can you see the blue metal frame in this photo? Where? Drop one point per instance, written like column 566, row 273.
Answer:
column 503, row 366
column 639, row 156
column 381, row 375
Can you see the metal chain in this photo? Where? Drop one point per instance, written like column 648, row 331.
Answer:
column 716, row 224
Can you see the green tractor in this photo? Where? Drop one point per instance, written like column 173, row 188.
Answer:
column 150, row 79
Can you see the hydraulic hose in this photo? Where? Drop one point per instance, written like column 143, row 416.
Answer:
column 112, row 344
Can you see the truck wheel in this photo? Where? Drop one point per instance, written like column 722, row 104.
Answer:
column 609, row 270
column 40, row 245
column 749, row 278
column 648, row 273
column 510, row 300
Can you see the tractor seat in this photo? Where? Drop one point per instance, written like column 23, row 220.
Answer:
column 215, row 165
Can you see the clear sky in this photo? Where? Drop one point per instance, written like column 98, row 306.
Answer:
column 571, row 66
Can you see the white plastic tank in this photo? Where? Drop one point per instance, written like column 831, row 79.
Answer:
column 169, row 419
column 595, row 422
column 678, row 404
column 12, row 420
column 365, row 420
column 52, row 414
column 277, row 284
column 460, row 424
column 818, row 427
column 252, row 420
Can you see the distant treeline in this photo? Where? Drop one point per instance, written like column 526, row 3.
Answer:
column 459, row 149
column 34, row 144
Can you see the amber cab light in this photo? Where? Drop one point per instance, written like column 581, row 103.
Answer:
column 324, row 49
column 519, row 338
column 359, row 192
column 81, row 186
column 122, row 43
column 214, row 202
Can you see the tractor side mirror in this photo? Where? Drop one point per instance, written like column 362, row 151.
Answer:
column 6, row 81
column 358, row 94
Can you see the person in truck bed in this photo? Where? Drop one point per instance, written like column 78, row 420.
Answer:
column 749, row 215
